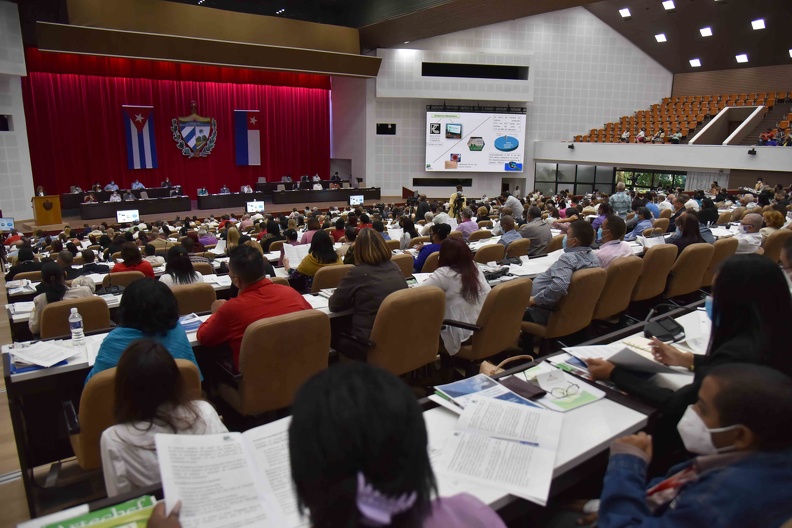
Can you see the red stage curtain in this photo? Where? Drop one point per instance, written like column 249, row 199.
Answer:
column 76, row 131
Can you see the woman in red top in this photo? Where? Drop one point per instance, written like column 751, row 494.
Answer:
column 338, row 232
column 133, row 261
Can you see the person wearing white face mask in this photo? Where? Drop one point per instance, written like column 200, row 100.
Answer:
column 749, row 238
column 739, row 427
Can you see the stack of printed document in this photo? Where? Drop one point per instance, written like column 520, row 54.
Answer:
column 456, row 396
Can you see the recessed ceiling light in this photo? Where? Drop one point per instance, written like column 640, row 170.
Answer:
column 790, row 53
column 742, row 58
column 668, row 5
column 625, row 13
column 660, row 37
column 706, row 31
column 406, row 41
column 758, row 24
column 695, row 63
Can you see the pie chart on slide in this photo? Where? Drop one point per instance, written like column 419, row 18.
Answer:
column 506, row 143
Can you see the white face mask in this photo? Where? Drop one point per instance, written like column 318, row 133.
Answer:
column 697, row 437
column 743, row 229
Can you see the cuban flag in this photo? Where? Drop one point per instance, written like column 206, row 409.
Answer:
column 139, row 129
column 247, row 133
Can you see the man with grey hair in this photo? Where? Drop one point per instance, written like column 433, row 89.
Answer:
column 537, row 230
column 749, row 239
column 620, row 201
column 748, row 201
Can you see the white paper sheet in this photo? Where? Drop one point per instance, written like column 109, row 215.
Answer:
column 44, row 353
column 295, row 254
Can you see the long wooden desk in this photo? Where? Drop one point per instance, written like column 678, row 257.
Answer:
column 327, row 195
column 90, row 211
column 219, row 201
column 74, row 200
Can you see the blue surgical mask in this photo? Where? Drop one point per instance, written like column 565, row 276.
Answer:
column 708, row 306
column 599, row 234
column 563, row 242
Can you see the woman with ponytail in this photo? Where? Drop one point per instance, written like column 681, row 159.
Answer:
column 53, row 288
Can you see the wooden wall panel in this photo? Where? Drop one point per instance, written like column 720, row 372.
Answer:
column 743, row 80
column 747, row 178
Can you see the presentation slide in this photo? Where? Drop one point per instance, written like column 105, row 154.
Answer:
column 474, row 142
column 255, row 207
column 127, row 217
column 6, row 224
column 356, row 199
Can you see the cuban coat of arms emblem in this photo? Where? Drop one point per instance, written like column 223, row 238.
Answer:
column 195, row 135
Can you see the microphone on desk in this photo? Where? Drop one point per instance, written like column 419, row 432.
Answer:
column 665, row 329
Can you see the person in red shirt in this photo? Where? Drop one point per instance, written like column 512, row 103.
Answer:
column 338, row 232
column 258, row 298
column 364, row 222
column 13, row 238
column 133, row 261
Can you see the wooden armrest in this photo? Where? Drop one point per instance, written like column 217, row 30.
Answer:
column 460, row 324
column 365, row 342
column 228, row 372
column 70, row 417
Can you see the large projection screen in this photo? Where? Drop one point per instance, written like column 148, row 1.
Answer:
column 474, row 142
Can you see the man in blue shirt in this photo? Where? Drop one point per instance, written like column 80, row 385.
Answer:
column 644, row 222
column 510, row 234
column 621, row 201
column 111, row 186
column 437, row 233
column 137, row 186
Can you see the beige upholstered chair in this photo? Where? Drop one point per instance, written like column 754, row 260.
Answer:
column 688, row 270
column 661, row 223
column 418, row 240
column 196, row 297
column 519, row 248
column 96, row 411
column 280, row 280
column 737, row 213
column 390, row 346
column 499, row 324
column 78, row 261
column 34, row 276
column 774, row 242
column 666, row 213
column 485, row 223
column 481, row 234
column 724, row 218
column 723, row 249
column 657, row 263
column 272, row 369
column 651, row 231
column 455, row 234
column 204, row 268
column 55, row 316
column 276, row 246
column 574, row 310
column 490, row 253
column 121, row 278
column 405, row 263
column 393, row 244
column 555, row 243
column 622, row 273
column 431, row 262
column 329, row 277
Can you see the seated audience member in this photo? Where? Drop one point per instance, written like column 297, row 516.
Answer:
column 465, row 288
column 13, row 238
column 320, row 255
column 272, row 234
column 89, row 198
column 704, row 231
column 193, row 253
column 115, row 197
column 151, row 256
column 750, row 237
column 111, row 186
column 513, row 203
column 602, row 213
column 537, row 230
column 258, row 299
column 408, row 233
column 708, row 215
column 364, row 288
column 338, row 233
column 510, row 233
column 641, row 137
column 467, row 225
column 224, row 189
column 128, row 196
column 179, row 269
column 137, row 186
column 748, row 201
column 206, row 238
column 232, row 238
column 312, row 226
column 148, row 309
column 150, row 398
column 90, row 265
column 773, row 221
column 379, row 227
column 612, row 245
column 66, row 259
column 196, row 245
column 689, row 233
column 739, row 428
column 437, row 234
column 750, row 304
column 26, row 261
column 550, row 286
column 659, row 136
column 625, row 137
column 678, row 210
column 159, row 239
column 676, row 137
column 53, row 288
column 133, row 261
column 644, row 222
column 365, row 222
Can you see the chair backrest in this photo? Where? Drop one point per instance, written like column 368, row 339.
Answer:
column 405, row 263
column 122, row 278
column 196, row 297
column 419, row 309
column 623, row 273
column 329, row 276
column 652, row 231
column 661, row 223
column 737, row 213
column 689, row 268
column 96, row 410
column 55, row 316
column 576, row 308
column 774, row 242
column 280, row 280
column 490, row 253
column 431, row 262
column 520, row 248
column 657, row 263
column 204, row 268
column 500, row 318
column 144, row 195
column 418, row 240
column 393, row 244
column 484, row 223
column 481, row 234
column 723, row 249
column 455, row 234
column 724, row 218
column 278, row 355
column 555, row 243
column 276, row 246
column 34, row 276
column 78, row 261
column 665, row 213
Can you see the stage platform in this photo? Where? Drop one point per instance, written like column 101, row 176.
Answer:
column 28, row 226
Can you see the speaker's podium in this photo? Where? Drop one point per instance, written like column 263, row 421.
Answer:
column 47, row 210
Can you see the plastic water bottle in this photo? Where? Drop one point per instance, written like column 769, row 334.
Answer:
column 76, row 327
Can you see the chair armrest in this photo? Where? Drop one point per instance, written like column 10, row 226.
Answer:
column 365, row 342
column 228, row 372
column 460, row 324
column 70, row 417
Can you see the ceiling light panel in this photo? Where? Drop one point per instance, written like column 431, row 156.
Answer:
column 668, row 5
column 625, row 13
column 706, row 31
column 696, row 63
column 660, row 37
column 741, row 58
column 758, row 24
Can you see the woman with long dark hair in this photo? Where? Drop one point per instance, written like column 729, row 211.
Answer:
column 408, row 226
column 150, row 398
column 708, row 215
column 273, row 234
column 53, row 288
column 465, row 288
column 689, row 225
column 133, row 261
column 179, row 268
column 320, row 254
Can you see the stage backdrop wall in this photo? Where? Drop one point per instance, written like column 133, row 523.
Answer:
column 77, row 136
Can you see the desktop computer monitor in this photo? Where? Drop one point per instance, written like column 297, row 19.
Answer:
column 6, row 225
column 356, row 199
column 255, row 207
column 128, row 217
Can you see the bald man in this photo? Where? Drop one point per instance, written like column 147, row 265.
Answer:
column 749, row 238
column 510, row 234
